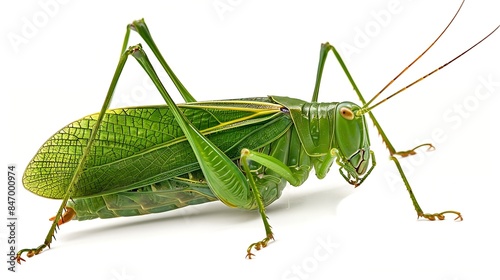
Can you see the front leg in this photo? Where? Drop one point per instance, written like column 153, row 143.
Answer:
column 260, row 205
column 418, row 209
column 295, row 176
column 325, row 49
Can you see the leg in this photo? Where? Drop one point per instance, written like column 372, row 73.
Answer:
column 260, row 205
column 59, row 218
column 225, row 178
column 141, row 28
column 62, row 216
column 295, row 176
column 325, row 48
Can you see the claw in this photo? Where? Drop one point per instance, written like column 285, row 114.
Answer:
column 440, row 216
column 258, row 245
column 30, row 252
column 459, row 216
column 19, row 259
column 412, row 151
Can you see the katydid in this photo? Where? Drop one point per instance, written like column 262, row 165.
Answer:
column 242, row 152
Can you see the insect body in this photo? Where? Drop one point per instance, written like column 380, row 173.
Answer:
column 158, row 170
column 141, row 160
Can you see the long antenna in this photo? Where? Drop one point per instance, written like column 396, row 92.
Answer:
column 418, row 57
column 367, row 109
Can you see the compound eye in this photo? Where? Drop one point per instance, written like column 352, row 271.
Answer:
column 347, row 113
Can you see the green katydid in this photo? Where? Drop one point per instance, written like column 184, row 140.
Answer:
column 141, row 160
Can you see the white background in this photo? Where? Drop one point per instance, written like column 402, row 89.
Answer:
column 58, row 60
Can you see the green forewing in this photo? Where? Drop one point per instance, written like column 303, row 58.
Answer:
column 143, row 145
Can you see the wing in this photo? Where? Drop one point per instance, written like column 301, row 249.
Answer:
column 137, row 147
